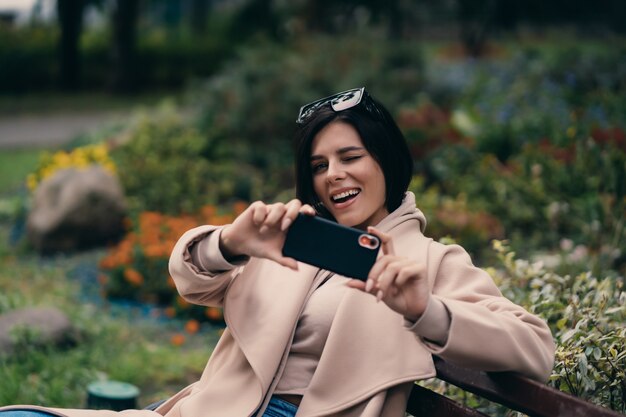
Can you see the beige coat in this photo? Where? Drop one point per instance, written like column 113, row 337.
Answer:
column 370, row 359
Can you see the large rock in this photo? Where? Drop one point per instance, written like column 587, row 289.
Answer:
column 43, row 326
column 76, row 209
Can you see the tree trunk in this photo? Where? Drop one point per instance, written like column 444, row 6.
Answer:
column 70, row 15
column 125, row 16
column 475, row 18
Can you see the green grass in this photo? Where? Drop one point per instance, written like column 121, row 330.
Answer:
column 110, row 345
column 14, row 166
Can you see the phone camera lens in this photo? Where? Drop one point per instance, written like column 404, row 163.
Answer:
column 368, row 241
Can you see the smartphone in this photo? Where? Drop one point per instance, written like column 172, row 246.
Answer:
column 323, row 243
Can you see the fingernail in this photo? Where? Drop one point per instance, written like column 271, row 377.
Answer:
column 263, row 229
column 368, row 285
column 285, row 224
column 379, row 295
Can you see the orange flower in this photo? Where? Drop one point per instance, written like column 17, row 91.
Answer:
column 149, row 218
column 154, row 250
column 239, row 207
column 214, row 313
column 192, row 326
column 108, row 262
column 207, row 213
column 170, row 312
column 223, row 219
column 177, row 339
column 133, row 276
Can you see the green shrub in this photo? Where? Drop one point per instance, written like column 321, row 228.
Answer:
column 586, row 315
column 28, row 58
column 252, row 105
column 166, row 165
column 547, row 193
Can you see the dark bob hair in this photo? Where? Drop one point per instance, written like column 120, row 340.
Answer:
column 381, row 137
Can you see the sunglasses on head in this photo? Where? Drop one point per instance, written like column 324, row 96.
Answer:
column 339, row 102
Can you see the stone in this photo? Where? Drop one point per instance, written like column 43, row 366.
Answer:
column 45, row 326
column 76, row 209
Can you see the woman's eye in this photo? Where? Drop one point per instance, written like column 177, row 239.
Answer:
column 318, row 167
column 352, row 157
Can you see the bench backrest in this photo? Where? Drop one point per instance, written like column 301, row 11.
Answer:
column 509, row 389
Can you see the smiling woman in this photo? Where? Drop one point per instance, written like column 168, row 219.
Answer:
column 346, row 177
column 306, row 341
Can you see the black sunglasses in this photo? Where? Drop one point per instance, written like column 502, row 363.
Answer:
column 341, row 101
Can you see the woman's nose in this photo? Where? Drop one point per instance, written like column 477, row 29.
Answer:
column 335, row 173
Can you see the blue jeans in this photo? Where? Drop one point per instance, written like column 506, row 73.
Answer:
column 24, row 413
column 278, row 408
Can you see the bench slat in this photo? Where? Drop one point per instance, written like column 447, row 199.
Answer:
column 519, row 393
column 425, row 403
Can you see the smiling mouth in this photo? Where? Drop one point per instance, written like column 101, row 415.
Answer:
column 345, row 196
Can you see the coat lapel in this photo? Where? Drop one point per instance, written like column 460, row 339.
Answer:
column 262, row 329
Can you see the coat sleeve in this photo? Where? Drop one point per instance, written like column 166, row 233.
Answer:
column 487, row 331
column 195, row 283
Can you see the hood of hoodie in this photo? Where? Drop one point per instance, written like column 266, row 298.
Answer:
column 407, row 212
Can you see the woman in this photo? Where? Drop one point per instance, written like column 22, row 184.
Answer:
column 307, row 342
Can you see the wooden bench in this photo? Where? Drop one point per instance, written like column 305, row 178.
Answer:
column 511, row 390
column 508, row 389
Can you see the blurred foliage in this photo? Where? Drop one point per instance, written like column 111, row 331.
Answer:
column 165, row 164
column 542, row 194
column 251, row 106
column 176, row 41
column 29, row 59
column 586, row 315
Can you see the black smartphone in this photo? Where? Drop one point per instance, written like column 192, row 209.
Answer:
column 323, row 243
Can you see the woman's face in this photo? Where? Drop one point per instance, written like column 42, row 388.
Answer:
column 346, row 178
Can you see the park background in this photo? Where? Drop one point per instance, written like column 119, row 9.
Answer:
column 515, row 114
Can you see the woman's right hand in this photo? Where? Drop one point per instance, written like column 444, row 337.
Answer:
column 260, row 231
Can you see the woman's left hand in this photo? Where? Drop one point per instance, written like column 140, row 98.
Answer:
column 398, row 281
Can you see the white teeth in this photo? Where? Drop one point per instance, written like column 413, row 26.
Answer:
column 345, row 194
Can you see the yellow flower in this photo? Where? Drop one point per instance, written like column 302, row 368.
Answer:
column 62, row 160
column 80, row 158
column 571, row 132
column 31, row 181
column 100, row 152
column 46, row 172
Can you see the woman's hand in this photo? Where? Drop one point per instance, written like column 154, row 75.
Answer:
column 260, row 231
column 397, row 281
